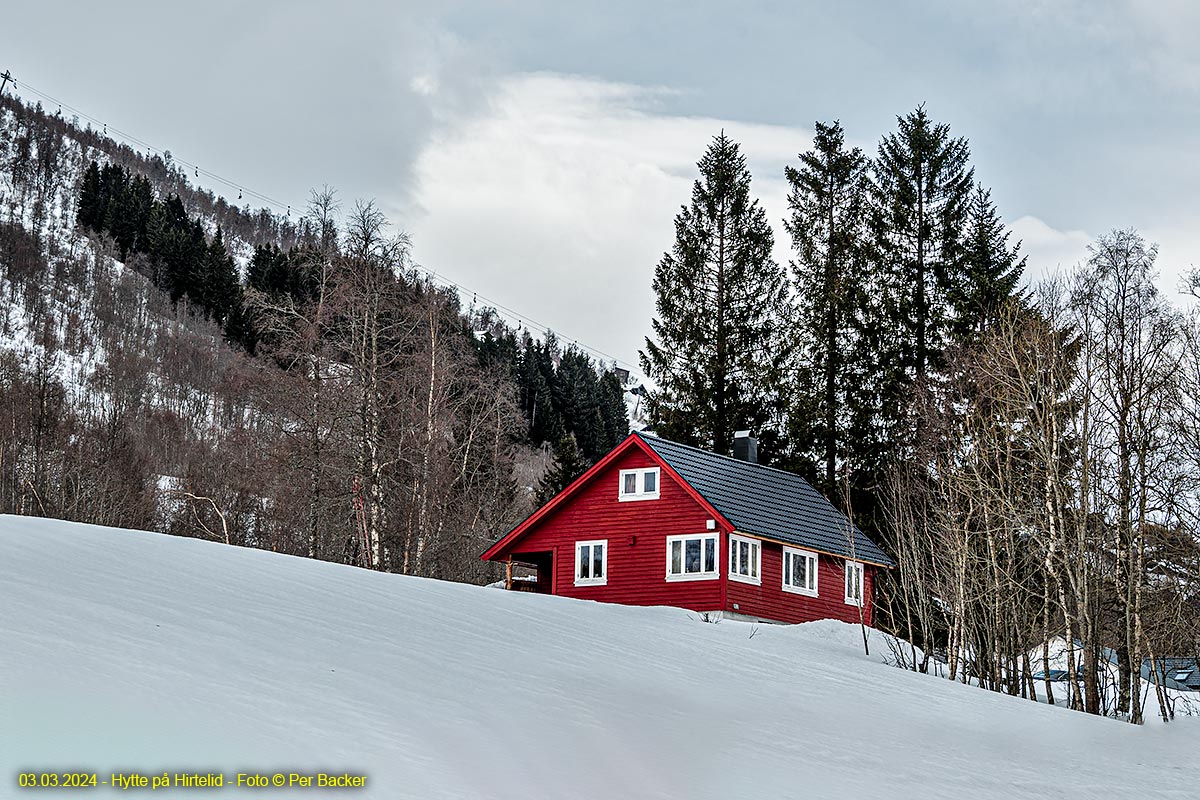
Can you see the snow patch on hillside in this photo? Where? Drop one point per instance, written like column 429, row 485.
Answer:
column 138, row 651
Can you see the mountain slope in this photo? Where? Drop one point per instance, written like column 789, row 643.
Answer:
column 123, row 650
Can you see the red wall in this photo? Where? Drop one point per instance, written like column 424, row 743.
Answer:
column 636, row 532
column 770, row 601
column 637, row 555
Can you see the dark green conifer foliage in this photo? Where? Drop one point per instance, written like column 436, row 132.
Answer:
column 537, row 400
column 719, row 336
column 923, row 186
column 219, row 290
column 89, row 198
column 827, row 224
column 613, row 411
column 568, row 465
column 991, row 271
column 577, row 397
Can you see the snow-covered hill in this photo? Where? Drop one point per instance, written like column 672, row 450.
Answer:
column 130, row 651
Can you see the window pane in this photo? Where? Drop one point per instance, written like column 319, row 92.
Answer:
column 710, row 554
column 630, row 486
column 754, row 560
column 598, row 561
column 649, row 481
column 584, row 556
column 691, row 555
column 743, row 561
column 799, row 565
column 676, row 557
column 812, row 573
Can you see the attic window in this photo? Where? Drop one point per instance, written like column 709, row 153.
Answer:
column 744, row 559
column 1183, row 675
column 638, row 484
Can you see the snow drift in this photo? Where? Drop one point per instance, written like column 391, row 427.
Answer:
column 130, row 651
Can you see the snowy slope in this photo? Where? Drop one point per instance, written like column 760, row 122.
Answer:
column 137, row 651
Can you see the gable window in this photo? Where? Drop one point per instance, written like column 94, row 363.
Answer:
column 854, row 583
column 692, row 558
column 744, row 555
column 799, row 571
column 591, row 563
column 638, row 484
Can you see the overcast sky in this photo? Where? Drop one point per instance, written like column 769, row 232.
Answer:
column 538, row 151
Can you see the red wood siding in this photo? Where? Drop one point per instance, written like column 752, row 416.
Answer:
column 770, row 601
column 636, row 532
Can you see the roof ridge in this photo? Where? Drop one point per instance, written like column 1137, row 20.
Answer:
column 645, row 435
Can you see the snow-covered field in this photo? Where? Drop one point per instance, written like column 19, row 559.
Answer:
column 137, row 652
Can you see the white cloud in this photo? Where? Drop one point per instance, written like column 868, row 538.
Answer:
column 1049, row 250
column 559, row 199
column 556, row 197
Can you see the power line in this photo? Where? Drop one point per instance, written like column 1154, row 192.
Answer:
column 241, row 188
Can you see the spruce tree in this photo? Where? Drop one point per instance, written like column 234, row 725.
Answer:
column 568, row 465
column 169, row 242
column 827, row 226
column 922, row 190
column 218, row 288
column 535, row 379
column 718, row 345
column 577, row 399
column 613, row 410
column 89, row 198
column 114, row 183
column 991, row 270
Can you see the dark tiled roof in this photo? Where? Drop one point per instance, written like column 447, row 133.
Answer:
column 1175, row 673
column 767, row 502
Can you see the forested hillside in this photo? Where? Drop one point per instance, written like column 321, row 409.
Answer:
column 293, row 383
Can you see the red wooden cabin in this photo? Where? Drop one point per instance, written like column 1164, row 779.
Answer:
column 660, row 523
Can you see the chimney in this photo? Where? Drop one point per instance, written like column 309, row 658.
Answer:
column 745, row 447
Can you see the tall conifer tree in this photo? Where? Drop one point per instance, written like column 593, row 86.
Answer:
column 827, row 206
column 219, row 288
column 718, row 344
column 923, row 185
column 89, row 198
column 991, row 269
column 921, row 192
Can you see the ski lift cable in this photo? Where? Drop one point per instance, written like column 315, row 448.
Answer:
column 197, row 171
column 526, row 320
column 110, row 130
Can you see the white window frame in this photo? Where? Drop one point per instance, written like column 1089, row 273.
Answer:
column 856, row 567
column 755, row 553
column 603, row 579
column 695, row 576
column 811, row 571
column 639, row 492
